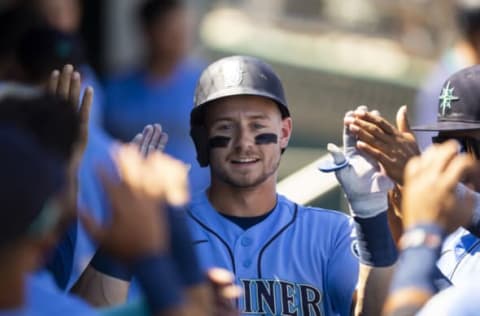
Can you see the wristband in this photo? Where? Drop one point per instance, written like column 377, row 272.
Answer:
column 426, row 235
column 375, row 243
column 105, row 264
column 159, row 280
column 421, row 246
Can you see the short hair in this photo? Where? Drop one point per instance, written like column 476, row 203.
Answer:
column 14, row 22
column 53, row 122
column 151, row 10
column 468, row 17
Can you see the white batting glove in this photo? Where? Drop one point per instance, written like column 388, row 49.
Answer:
column 364, row 183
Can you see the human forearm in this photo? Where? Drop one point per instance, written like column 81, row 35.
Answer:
column 378, row 254
column 100, row 289
column 413, row 282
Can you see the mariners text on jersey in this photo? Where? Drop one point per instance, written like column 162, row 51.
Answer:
column 297, row 261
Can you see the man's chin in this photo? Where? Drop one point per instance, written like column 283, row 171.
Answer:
column 246, row 183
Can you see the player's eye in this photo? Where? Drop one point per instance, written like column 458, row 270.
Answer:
column 258, row 126
column 223, row 127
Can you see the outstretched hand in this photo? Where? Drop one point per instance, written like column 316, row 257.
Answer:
column 66, row 84
column 151, row 139
column 225, row 292
column 138, row 224
column 391, row 147
column 430, row 194
column 363, row 180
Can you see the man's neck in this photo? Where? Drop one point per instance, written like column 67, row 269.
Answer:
column 243, row 202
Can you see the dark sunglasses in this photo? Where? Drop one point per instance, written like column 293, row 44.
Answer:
column 468, row 144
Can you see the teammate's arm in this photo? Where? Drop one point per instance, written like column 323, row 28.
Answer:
column 366, row 187
column 430, row 183
column 140, row 239
column 392, row 147
column 105, row 281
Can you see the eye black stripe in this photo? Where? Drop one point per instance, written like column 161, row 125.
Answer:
column 267, row 138
column 218, row 141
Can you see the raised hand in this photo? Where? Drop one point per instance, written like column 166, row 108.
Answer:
column 364, row 182
column 151, row 139
column 138, row 225
column 430, row 194
column 391, row 147
column 66, row 84
column 225, row 292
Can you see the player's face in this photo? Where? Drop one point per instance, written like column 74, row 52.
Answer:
column 62, row 14
column 246, row 136
column 169, row 35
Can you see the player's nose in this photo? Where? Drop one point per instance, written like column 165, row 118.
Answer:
column 244, row 139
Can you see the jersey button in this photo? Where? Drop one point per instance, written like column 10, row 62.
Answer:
column 246, row 241
column 247, row 263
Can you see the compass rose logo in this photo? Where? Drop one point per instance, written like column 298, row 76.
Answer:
column 447, row 97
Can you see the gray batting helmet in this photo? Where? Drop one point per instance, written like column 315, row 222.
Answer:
column 230, row 76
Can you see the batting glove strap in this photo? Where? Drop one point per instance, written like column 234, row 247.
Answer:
column 375, row 243
column 160, row 282
column 423, row 244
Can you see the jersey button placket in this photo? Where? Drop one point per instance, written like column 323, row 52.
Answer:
column 247, row 263
column 244, row 255
column 246, row 241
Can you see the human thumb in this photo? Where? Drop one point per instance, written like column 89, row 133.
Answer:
column 336, row 153
column 402, row 120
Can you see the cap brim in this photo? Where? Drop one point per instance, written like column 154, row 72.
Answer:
column 448, row 126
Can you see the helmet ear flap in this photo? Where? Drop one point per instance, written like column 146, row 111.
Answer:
column 199, row 136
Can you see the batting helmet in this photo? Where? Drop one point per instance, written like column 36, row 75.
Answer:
column 459, row 103
column 230, row 76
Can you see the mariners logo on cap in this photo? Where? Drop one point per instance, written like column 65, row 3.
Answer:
column 232, row 73
column 447, row 97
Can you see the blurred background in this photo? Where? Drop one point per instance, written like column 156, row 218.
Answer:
column 331, row 54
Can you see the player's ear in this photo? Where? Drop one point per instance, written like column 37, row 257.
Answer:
column 286, row 132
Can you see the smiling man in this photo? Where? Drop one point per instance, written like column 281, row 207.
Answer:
column 289, row 259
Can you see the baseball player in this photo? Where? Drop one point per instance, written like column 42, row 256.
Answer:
column 458, row 118
column 289, row 259
column 430, row 182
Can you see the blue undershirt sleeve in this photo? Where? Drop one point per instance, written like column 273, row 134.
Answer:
column 182, row 249
column 60, row 264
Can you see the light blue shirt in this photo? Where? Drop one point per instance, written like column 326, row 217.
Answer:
column 460, row 257
column 297, row 260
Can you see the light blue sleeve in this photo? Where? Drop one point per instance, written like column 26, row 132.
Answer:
column 459, row 300
column 342, row 271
